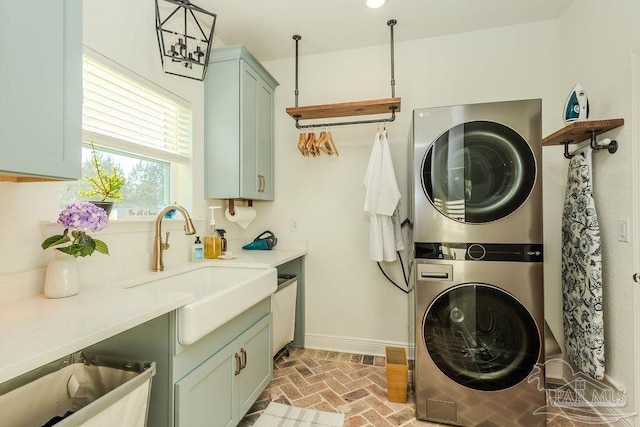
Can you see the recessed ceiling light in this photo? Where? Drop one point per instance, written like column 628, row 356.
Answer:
column 374, row 4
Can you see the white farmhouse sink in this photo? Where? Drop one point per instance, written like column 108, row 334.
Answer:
column 221, row 294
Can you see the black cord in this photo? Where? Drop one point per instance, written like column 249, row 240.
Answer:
column 404, row 275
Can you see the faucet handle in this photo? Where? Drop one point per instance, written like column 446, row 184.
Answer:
column 165, row 245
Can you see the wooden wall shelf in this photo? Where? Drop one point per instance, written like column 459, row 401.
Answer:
column 345, row 109
column 579, row 131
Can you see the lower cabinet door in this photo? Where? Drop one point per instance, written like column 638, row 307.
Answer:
column 206, row 396
column 256, row 362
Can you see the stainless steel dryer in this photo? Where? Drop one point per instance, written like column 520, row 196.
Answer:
column 477, row 173
column 479, row 334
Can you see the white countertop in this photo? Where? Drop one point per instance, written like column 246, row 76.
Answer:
column 260, row 259
column 36, row 330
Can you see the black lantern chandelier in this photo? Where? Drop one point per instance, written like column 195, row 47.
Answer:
column 185, row 36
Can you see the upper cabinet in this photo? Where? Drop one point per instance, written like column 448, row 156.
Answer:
column 238, row 126
column 41, row 90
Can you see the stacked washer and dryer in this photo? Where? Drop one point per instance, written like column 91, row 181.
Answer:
column 477, row 235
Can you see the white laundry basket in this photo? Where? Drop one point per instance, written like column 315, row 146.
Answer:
column 283, row 309
column 81, row 389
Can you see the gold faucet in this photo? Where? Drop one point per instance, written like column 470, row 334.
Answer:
column 158, row 245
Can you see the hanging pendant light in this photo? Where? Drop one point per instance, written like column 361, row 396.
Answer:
column 185, row 36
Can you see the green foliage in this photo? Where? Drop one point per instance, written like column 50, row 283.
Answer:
column 102, row 184
column 146, row 180
column 81, row 243
column 146, row 185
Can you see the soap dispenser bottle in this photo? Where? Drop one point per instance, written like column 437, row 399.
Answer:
column 212, row 241
column 197, row 250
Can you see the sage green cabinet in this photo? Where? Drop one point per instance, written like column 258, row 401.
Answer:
column 197, row 385
column 207, row 396
column 222, row 389
column 256, row 369
column 239, row 97
column 41, row 90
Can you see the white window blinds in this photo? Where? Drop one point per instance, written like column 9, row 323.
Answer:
column 122, row 114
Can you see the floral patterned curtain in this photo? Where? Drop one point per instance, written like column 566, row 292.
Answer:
column 582, row 271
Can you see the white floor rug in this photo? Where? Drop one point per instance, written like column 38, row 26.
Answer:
column 278, row 415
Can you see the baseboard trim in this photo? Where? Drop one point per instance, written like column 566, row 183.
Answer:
column 353, row 345
column 564, row 374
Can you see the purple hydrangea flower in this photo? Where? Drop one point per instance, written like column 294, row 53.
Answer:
column 83, row 216
column 80, row 218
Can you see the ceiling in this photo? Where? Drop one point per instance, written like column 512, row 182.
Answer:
column 266, row 27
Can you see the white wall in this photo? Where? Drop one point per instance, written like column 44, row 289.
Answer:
column 27, row 209
column 600, row 59
column 349, row 303
column 347, row 298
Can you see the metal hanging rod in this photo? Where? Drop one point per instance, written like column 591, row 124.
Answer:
column 356, row 111
column 354, row 122
column 611, row 146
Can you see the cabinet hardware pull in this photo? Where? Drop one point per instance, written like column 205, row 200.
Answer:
column 261, row 183
column 238, row 365
column 243, row 363
column 636, row 277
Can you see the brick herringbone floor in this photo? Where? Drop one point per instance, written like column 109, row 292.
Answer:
column 352, row 384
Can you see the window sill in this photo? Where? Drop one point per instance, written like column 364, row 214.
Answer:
column 120, row 226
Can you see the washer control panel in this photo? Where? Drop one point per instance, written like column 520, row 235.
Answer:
column 526, row 252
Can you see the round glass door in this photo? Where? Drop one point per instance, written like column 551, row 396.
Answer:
column 481, row 337
column 478, row 172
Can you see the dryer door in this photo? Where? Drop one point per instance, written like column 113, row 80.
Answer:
column 481, row 337
column 478, row 172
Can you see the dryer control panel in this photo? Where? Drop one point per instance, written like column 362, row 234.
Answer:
column 526, row 252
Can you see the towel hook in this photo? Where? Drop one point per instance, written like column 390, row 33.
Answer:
column 567, row 155
column 612, row 146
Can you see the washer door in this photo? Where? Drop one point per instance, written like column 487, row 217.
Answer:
column 478, row 172
column 481, row 337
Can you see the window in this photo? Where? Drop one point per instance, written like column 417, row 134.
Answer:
column 140, row 129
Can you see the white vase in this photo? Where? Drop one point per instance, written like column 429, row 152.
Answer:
column 62, row 276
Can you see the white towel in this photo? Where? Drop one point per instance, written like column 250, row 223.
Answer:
column 381, row 202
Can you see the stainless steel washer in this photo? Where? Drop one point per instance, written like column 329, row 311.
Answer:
column 476, row 173
column 479, row 334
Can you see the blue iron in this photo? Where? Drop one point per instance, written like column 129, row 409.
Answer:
column 577, row 106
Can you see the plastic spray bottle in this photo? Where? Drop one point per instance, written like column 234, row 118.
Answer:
column 223, row 241
column 212, row 242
